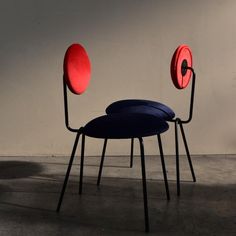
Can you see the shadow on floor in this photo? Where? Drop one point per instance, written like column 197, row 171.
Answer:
column 117, row 208
column 19, row 169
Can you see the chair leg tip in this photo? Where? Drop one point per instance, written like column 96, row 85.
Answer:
column 178, row 192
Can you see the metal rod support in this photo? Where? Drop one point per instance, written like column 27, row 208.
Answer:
column 145, row 201
column 187, row 151
column 66, row 108
column 68, row 171
column 191, row 98
column 102, row 161
column 132, row 153
column 177, row 157
column 81, row 164
column 163, row 166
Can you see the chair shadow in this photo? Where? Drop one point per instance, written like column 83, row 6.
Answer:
column 117, row 205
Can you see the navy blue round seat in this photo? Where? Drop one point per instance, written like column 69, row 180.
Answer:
column 122, row 126
column 141, row 106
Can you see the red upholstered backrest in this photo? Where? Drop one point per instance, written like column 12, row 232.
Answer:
column 181, row 55
column 77, row 68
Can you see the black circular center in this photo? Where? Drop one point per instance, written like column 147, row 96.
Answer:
column 184, row 67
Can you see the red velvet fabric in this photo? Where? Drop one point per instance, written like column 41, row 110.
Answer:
column 183, row 52
column 77, row 68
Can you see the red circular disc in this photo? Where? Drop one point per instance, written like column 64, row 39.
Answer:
column 77, row 68
column 181, row 54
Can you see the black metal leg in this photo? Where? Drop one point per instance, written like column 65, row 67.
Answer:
column 132, row 153
column 177, row 157
column 144, row 185
column 187, row 151
column 101, row 163
column 163, row 166
column 81, row 164
column 68, row 172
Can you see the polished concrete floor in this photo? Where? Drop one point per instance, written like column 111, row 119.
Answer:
column 30, row 187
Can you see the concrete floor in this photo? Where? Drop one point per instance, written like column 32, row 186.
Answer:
column 30, row 187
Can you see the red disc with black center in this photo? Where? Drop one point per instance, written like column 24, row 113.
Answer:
column 77, row 68
column 181, row 59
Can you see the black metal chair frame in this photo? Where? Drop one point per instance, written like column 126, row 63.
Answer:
column 80, row 132
column 178, row 122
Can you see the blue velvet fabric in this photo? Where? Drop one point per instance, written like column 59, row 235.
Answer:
column 125, row 125
column 141, row 106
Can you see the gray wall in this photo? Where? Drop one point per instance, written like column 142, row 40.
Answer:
column 130, row 43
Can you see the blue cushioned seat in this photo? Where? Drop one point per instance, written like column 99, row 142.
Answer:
column 141, row 106
column 121, row 126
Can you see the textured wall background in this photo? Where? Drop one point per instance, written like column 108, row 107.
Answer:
column 130, row 43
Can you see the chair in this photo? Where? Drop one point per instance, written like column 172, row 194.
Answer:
column 181, row 73
column 112, row 126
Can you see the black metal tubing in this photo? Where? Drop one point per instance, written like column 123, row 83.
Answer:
column 66, row 108
column 190, row 116
column 103, row 156
column 187, row 151
column 101, row 163
column 180, row 122
column 163, row 166
column 177, row 157
column 79, row 132
column 191, row 98
column 68, row 171
column 81, row 164
column 132, row 153
column 145, row 201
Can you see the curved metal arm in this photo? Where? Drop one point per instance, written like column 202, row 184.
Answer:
column 66, row 108
column 192, row 97
column 191, row 100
